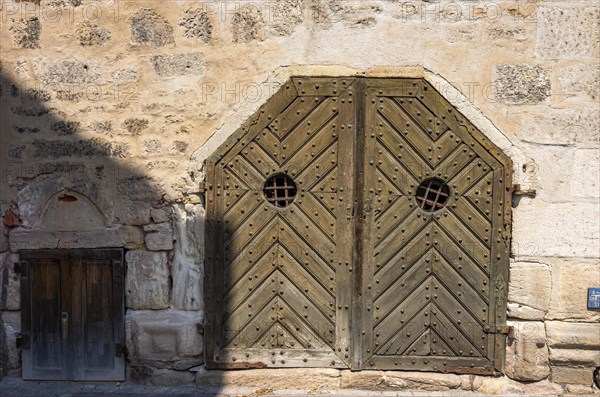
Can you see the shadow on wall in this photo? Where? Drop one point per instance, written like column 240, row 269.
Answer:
column 61, row 190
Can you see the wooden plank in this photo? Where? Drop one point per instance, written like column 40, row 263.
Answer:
column 47, row 358
column 255, row 124
column 327, row 86
column 459, row 365
column 293, row 114
column 397, row 87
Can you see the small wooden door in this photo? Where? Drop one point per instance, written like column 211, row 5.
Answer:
column 72, row 314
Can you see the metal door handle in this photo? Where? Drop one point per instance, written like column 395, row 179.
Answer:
column 64, row 320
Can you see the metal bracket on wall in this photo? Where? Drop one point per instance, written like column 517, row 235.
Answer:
column 22, row 341
column 517, row 191
column 19, row 267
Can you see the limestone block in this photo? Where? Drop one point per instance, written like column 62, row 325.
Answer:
column 573, row 335
column 68, row 71
column 123, row 236
column 121, row 76
column 149, row 28
column 285, row 16
column 275, row 378
column 248, row 25
column 557, row 229
column 574, row 376
column 527, row 353
column 579, row 389
column 188, row 264
column 362, row 380
column 139, row 188
column 90, row 34
column 522, row 312
column 159, row 215
column 519, row 84
column 422, row 381
column 159, row 241
column 164, row 339
column 470, row 382
column 568, row 300
column 133, row 213
column 135, row 126
column 10, row 283
column 26, row 32
column 10, row 323
column 168, row 65
column 502, row 386
column 196, row 24
column 152, row 146
column 585, row 173
column 147, row 280
column 580, row 80
column 94, row 147
column 159, row 227
column 530, row 285
column 589, row 358
column 568, row 32
column 544, row 388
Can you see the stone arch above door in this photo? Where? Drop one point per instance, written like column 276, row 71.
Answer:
column 299, row 285
column 56, row 215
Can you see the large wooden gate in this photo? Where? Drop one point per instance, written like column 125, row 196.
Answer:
column 358, row 223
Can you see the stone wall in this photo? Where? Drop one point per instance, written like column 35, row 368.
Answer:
column 121, row 101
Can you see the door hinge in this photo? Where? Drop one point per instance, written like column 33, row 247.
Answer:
column 517, row 191
column 22, row 341
column 20, row 268
column 500, row 329
column 120, row 350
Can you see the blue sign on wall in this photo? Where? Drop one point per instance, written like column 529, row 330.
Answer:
column 593, row 298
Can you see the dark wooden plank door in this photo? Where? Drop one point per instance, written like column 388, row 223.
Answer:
column 98, row 346
column 435, row 247
column 73, row 314
column 279, row 283
column 46, row 354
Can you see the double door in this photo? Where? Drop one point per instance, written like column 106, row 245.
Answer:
column 72, row 314
column 358, row 223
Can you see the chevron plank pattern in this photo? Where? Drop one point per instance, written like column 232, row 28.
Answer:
column 280, row 287
column 359, row 269
column 431, row 271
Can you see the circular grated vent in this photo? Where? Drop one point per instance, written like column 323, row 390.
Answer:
column 432, row 194
column 280, row 190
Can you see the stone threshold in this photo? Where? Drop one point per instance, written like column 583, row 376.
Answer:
column 294, row 382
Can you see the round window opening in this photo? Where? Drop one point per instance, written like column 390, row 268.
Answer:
column 432, row 194
column 280, row 190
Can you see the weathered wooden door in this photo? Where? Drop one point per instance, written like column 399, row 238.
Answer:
column 357, row 223
column 435, row 244
column 72, row 314
column 280, row 206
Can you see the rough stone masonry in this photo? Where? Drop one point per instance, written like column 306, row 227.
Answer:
column 121, row 102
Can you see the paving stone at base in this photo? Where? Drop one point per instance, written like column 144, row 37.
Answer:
column 422, row 381
column 310, row 378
